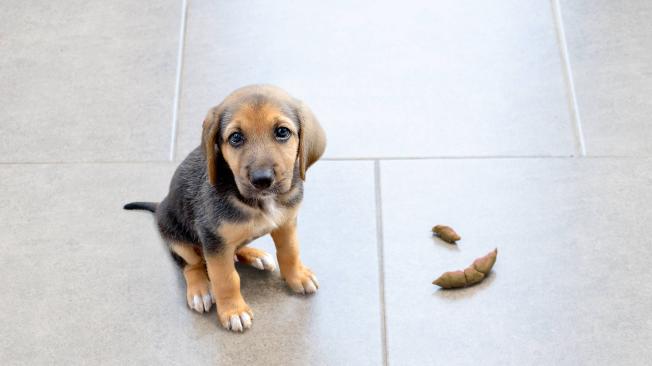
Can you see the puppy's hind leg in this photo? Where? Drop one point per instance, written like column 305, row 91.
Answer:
column 198, row 293
column 256, row 258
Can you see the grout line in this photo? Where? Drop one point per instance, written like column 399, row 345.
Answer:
column 381, row 261
column 177, row 86
column 118, row 162
column 452, row 157
column 99, row 162
column 568, row 75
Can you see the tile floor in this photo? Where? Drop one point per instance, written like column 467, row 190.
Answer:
column 525, row 125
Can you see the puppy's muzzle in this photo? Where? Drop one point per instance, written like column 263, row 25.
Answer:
column 261, row 178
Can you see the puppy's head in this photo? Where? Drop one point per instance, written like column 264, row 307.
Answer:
column 263, row 134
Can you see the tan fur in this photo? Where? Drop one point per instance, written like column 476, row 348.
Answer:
column 248, row 255
column 257, row 122
column 256, row 111
column 196, row 281
column 221, row 270
column 225, row 283
column 194, row 272
column 312, row 140
column 287, row 253
column 261, row 148
column 262, row 223
column 210, row 129
column 187, row 252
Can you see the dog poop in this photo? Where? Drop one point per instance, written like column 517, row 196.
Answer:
column 473, row 274
column 446, row 233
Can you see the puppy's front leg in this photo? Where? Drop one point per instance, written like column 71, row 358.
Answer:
column 232, row 311
column 299, row 277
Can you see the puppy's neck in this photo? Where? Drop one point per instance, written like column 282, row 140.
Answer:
column 271, row 209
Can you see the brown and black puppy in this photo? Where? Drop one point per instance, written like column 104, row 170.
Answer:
column 244, row 181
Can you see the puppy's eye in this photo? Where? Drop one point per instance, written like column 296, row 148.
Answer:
column 236, row 139
column 282, row 133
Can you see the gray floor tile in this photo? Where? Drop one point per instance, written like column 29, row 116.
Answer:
column 85, row 282
column 416, row 79
column 570, row 286
column 610, row 50
column 87, row 80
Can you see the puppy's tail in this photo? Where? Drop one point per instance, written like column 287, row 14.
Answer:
column 149, row 206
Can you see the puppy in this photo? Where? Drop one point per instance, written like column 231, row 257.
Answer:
column 244, row 181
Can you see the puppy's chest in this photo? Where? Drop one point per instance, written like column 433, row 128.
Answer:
column 260, row 222
column 269, row 217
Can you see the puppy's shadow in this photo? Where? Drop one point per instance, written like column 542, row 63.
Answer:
column 441, row 243
column 261, row 289
column 257, row 285
column 466, row 292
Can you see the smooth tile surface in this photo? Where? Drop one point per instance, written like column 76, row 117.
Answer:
column 87, row 80
column 86, row 83
column 447, row 78
column 85, row 282
column 610, row 49
column 570, row 286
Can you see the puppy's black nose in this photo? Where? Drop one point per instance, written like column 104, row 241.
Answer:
column 262, row 178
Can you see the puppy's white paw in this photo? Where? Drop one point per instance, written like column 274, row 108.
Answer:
column 198, row 294
column 256, row 258
column 236, row 317
column 200, row 303
column 266, row 263
column 238, row 323
column 302, row 281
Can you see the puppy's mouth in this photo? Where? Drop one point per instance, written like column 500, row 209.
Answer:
column 247, row 190
column 260, row 194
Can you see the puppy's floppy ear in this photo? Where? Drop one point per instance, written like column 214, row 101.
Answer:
column 211, row 127
column 312, row 139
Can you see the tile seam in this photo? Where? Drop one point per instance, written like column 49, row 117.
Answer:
column 594, row 157
column 568, row 76
column 381, row 262
column 177, row 85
